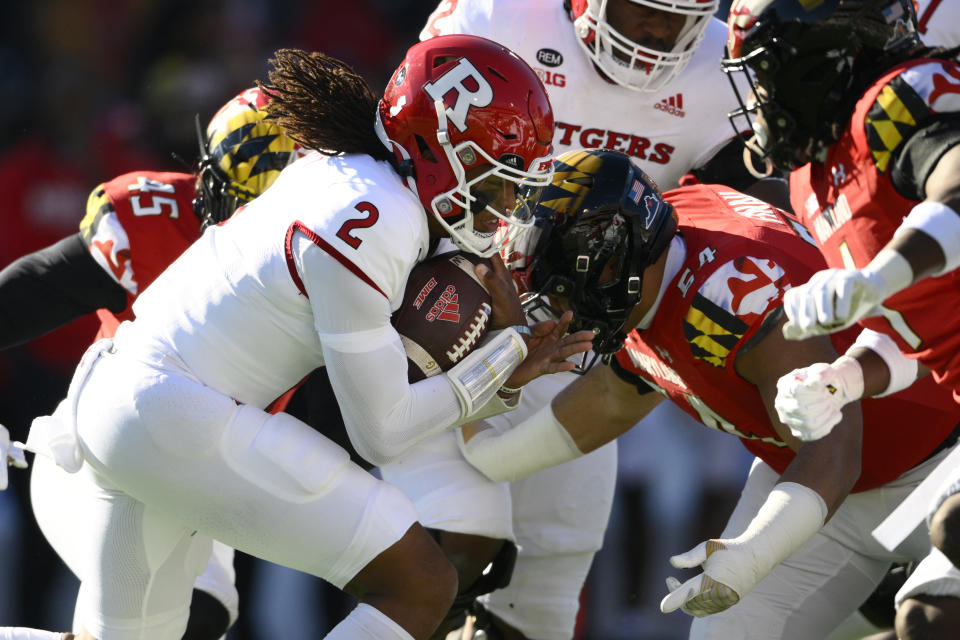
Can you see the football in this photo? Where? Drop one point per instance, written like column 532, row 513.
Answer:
column 444, row 315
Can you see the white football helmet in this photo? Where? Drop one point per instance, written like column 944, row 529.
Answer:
column 643, row 65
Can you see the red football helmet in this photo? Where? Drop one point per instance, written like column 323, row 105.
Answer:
column 462, row 104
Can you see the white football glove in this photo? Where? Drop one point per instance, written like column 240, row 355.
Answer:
column 12, row 455
column 809, row 399
column 733, row 567
column 831, row 300
column 726, row 575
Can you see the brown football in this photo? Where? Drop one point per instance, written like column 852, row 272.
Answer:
column 444, row 315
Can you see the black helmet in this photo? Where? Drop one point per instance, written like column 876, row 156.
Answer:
column 597, row 227
column 806, row 62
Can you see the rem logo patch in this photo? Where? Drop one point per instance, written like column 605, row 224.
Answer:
column 550, row 57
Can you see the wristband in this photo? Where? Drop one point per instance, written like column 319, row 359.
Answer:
column 522, row 329
column 903, row 370
column 890, row 272
column 941, row 223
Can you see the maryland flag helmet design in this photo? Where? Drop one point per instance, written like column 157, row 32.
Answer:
column 241, row 154
column 597, row 227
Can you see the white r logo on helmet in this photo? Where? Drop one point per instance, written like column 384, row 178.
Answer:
column 466, row 98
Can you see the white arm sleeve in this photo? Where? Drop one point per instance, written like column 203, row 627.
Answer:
column 383, row 414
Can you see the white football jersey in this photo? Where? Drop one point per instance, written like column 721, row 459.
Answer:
column 233, row 308
column 670, row 131
column 939, row 22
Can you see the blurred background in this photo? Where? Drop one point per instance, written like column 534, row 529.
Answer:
column 90, row 89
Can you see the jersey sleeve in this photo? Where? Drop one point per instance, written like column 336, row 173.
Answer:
column 731, row 306
column 383, row 414
column 106, row 239
column 474, row 17
column 911, row 102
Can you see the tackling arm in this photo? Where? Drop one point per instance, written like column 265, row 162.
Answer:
column 927, row 243
column 591, row 411
column 47, row 289
column 809, row 491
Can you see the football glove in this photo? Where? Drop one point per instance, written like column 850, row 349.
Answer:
column 12, row 453
column 809, row 400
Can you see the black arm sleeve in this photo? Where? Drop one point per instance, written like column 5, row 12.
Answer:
column 918, row 156
column 643, row 387
column 47, row 289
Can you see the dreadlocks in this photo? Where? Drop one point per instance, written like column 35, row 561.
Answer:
column 323, row 104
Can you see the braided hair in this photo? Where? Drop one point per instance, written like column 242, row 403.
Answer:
column 323, row 104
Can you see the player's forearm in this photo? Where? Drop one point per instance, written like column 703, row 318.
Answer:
column 51, row 287
column 830, row 466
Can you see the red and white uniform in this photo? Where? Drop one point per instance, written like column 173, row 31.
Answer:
column 939, row 22
column 171, row 419
column 558, row 517
column 851, row 207
column 738, row 256
column 135, row 225
column 671, row 131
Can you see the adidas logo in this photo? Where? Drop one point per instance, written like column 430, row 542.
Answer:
column 672, row 105
column 447, row 306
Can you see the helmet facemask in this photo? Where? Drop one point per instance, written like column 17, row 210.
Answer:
column 804, row 69
column 476, row 190
column 637, row 65
column 598, row 227
column 242, row 152
column 471, row 128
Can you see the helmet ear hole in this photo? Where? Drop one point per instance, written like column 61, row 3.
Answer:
column 424, row 149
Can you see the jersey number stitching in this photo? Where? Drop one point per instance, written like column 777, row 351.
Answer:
column 358, row 223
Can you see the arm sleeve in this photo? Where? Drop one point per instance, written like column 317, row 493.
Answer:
column 919, row 155
column 51, row 287
column 383, row 413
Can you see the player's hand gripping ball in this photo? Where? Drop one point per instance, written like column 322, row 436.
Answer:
column 444, row 315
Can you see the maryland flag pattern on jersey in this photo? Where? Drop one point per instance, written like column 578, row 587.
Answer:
column 907, row 103
column 732, row 300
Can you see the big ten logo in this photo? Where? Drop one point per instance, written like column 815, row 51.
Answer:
column 551, row 78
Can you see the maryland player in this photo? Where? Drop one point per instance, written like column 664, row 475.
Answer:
column 135, row 225
column 795, row 558
column 875, row 162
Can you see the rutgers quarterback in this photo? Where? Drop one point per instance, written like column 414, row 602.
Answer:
column 167, row 418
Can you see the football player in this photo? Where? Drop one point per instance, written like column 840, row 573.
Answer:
column 638, row 76
column 874, row 161
column 698, row 277
column 165, row 422
column 135, row 225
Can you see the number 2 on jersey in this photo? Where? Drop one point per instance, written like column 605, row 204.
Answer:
column 358, row 223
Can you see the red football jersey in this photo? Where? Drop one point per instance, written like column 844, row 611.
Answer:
column 136, row 225
column 851, row 207
column 741, row 255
